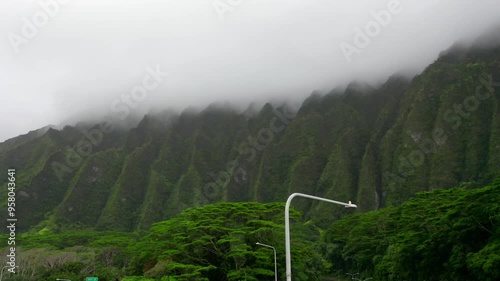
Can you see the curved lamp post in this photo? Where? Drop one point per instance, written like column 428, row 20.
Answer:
column 275, row 264
column 287, row 225
column 353, row 275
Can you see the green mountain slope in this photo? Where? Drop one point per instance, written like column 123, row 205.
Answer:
column 374, row 146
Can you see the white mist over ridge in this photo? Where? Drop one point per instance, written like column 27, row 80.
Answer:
column 92, row 58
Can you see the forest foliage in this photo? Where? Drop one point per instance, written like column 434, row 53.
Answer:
column 451, row 234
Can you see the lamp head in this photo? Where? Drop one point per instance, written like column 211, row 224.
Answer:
column 351, row 205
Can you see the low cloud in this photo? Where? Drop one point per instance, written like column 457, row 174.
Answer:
column 86, row 54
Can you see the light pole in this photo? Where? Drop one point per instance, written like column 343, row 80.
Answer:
column 338, row 272
column 287, row 225
column 275, row 264
column 353, row 275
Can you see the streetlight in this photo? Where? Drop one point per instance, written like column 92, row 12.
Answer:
column 287, row 225
column 1, row 271
column 353, row 276
column 275, row 264
column 338, row 272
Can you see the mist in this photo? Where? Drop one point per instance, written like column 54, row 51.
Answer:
column 89, row 59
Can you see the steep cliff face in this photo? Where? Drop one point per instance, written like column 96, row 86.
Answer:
column 374, row 146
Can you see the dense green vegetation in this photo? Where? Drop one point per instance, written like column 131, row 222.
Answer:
column 215, row 242
column 451, row 234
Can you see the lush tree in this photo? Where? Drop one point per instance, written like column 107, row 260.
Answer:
column 218, row 242
column 440, row 235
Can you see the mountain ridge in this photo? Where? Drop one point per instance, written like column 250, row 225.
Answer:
column 376, row 146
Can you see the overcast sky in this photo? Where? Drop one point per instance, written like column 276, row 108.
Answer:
column 79, row 61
